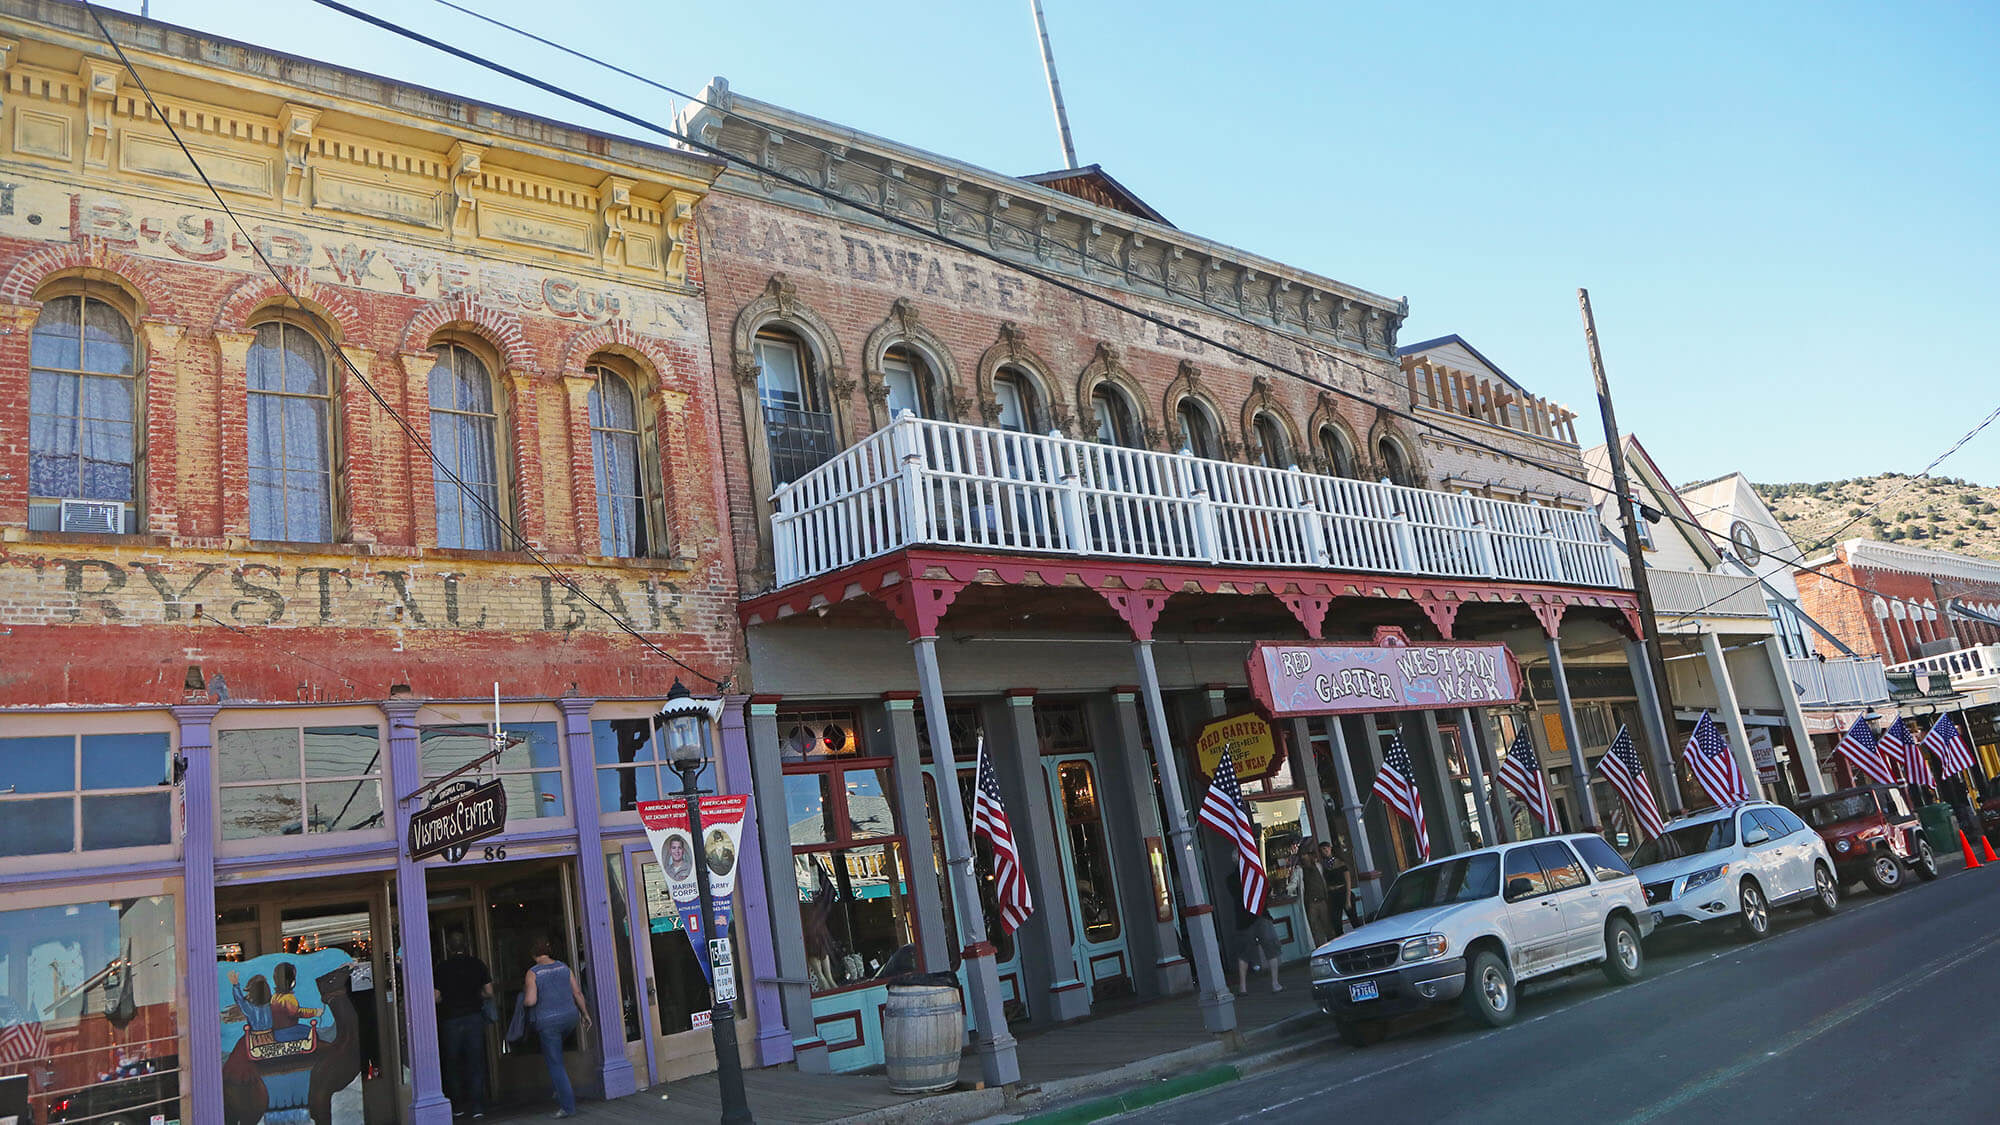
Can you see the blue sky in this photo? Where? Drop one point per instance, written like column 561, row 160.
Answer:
column 1787, row 215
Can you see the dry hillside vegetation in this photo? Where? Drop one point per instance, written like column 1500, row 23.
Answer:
column 1940, row 513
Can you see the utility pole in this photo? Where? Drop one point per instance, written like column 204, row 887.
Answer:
column 1055, row 85
column 1635, row 557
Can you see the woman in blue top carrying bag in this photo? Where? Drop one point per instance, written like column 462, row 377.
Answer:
column 555, row 1008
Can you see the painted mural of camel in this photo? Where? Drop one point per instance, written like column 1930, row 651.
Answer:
column 331, row 1064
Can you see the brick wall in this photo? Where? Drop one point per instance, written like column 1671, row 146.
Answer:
column 848, row 278
column 1831, row 598
column 118, row 619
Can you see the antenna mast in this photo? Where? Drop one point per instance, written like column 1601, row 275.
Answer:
column 1055, row 85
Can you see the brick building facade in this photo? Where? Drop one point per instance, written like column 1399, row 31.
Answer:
column 249, row 627
column 1904, row 607
column 1077, row 518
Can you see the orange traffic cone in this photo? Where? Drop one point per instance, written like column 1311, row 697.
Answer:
column 1986, row 847
column 1971, row 861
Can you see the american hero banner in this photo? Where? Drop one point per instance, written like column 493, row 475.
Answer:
column 673, row 847
column 1392, row 674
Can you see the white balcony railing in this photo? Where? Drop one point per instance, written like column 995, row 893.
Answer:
column 919, row 482
column 1697, row 593
column 1842, row 681
column 1978, row 662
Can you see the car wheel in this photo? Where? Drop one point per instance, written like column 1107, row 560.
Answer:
column 1884, row 872
column 1753, row 917
column 1925, row 861
column 1489, row 990
column 1826, row 893
column 1623, row 959
column 1358, row 1033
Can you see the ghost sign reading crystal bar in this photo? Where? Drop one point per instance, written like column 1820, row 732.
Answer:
column 1292, row 678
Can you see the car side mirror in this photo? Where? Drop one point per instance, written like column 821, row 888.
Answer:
column 1518, row 888
column 1756, row 836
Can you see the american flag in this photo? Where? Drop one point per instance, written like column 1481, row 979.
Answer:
column 1899, row 747
column 1396, row 785
column 21, row 1038
column 1954, row 753
column 1620, row 766
column 989, row 819
column 1521, row 772
column 1222, row 810
column 1858, row 745
column 1713, row 765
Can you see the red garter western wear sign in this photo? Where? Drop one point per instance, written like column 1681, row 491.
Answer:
column 1293, row 678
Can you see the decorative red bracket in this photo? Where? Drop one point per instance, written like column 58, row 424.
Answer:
column 1442, row 612
column 919, row 603
column 1550, row 614
column 1310, row 611
column 1139, row 608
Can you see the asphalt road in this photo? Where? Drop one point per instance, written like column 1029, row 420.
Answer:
column 1889, row 1010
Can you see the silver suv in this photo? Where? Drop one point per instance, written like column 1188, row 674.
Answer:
column 1473, row 926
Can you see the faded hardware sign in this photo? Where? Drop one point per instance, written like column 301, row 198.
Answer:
column 1391, row 674
column 1253, row 748
column 459, row 815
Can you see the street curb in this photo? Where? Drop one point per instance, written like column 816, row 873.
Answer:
column 1138, row 1097
column 1017, row 1102
column 1165, row 1091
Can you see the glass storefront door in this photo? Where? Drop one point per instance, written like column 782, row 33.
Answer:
column 1098, row 932
column 505, row 910
column 676, row 1014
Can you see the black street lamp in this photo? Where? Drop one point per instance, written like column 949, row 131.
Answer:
column 688, row 723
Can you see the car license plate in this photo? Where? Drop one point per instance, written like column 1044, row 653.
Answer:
column 1364, row 990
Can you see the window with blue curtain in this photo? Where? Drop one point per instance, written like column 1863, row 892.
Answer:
column 465, row 435
column 83, row 409
column 624, row 508
column 291, row 436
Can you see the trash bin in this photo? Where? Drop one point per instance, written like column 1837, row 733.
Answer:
column 923, row 1032
column 1939, row 827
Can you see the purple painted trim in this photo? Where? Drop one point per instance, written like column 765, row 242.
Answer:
column 617, row 1068
column 204, row 1016
column 164, row 868
column 384, row 850
column 639, row 928
column 774, row 1039
column 428, row 1105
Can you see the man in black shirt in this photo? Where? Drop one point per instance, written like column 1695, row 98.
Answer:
column 462, row 988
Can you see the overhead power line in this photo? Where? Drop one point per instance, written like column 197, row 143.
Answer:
column 1720, row 540
column 416, row 438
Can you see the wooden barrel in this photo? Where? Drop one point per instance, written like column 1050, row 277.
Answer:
column 923, row 1030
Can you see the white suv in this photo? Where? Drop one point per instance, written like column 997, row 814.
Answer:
column 1472, row 926
column 1736, row 864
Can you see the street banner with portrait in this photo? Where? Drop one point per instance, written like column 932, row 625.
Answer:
column 674, row 847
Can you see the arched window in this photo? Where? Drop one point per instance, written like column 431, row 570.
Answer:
column 1197, row 430
column 1113, row 416
column 798, row 424
column 1395, row 464
column 1273, row 452
column 465, row 435
column 1338, row 454
column 909, row 380
column 1020, row 407
column 83, row 418
column 627, row 500
column 291, row 435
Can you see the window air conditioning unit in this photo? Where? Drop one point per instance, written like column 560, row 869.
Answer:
column 106, row 517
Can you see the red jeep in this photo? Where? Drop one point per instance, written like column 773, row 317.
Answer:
column 1872, row 834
